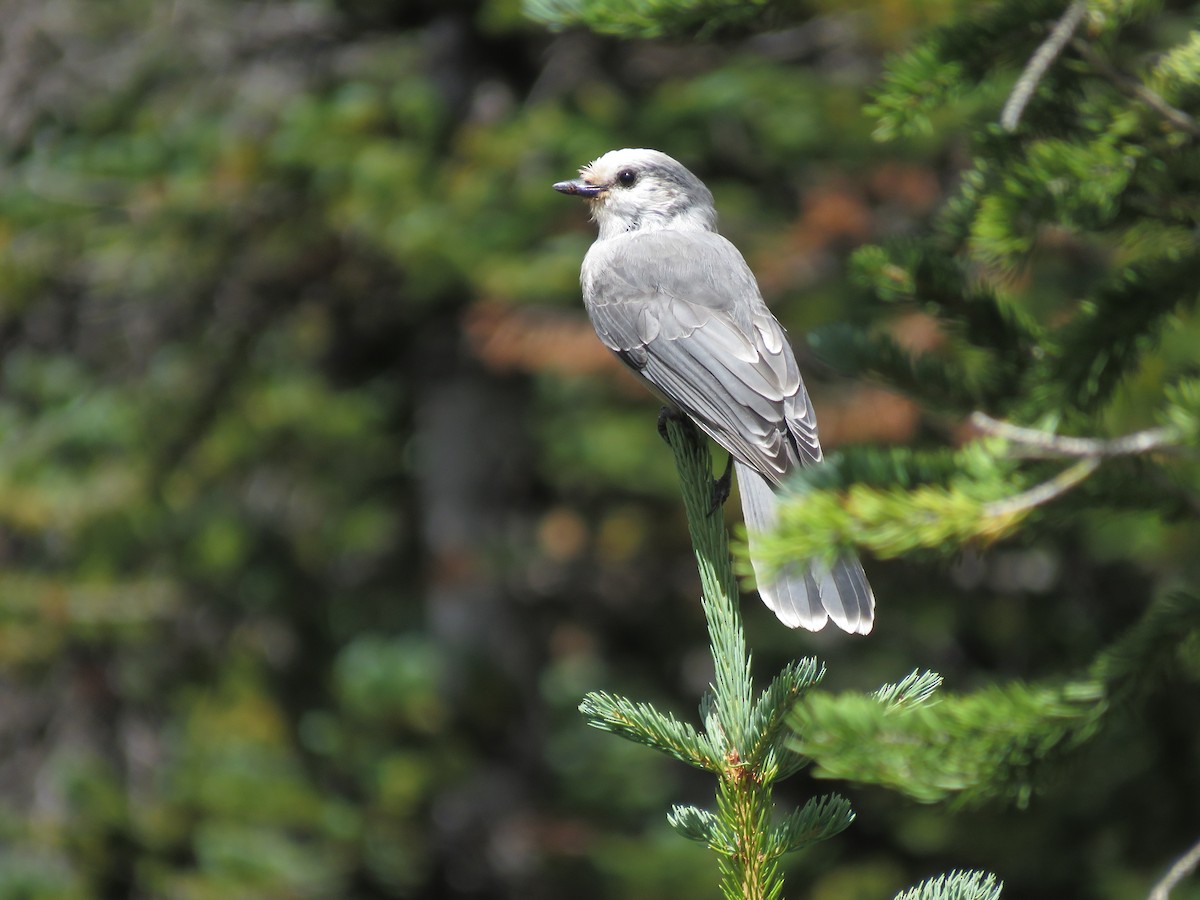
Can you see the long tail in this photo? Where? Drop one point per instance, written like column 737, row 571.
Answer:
column 806, row 593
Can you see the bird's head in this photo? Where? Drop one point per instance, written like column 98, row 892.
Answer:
column 642, row 190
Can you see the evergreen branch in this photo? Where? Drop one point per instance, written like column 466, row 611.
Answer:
column 956, row 886
column 990, row 743
column 643, row 724
column 701, row 826
column 1136, row 484
column 747, row 734
column 1183, row 867
column 647, row 18
column 1175, row 74
column 955, row 220
column 937, row 381
column 914, row 85
column 895, row 502
column 733, row 686
column 932, row 277
column 946, row 286
column 1002, row 29
column 744, row 745
column 780, row 760
column 1182, row 409
column 773, row 705
column 915, row 689
column 1134, row 88
column 971, row 747
column 712, row 723
column 750, row 872
column 818, row 820
column 1146, row 652
column 1010, row 220
column 956, row 58
column 1121, row 322
column 890, row 521
column 901, row 467
column 1040, row 63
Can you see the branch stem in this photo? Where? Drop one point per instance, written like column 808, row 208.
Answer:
column 750, row 872
column 1044, row 492
column 1134, row 88
column 1048, row 444
column 1040, row 62
column 1184, row 866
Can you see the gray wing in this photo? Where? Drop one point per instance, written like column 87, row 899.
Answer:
column 683, row 310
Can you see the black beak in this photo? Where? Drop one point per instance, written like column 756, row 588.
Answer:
column 579, row 188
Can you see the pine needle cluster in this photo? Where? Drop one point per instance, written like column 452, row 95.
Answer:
column 1052, row 275
column 748, row 741
column 745, row 739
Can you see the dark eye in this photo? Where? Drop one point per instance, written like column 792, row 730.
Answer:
column 626, row 177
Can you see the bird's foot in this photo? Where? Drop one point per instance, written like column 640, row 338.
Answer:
column 721, row 487
column 666, row 414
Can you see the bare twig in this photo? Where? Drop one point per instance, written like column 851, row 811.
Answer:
column 1044, row 492
column 1032, row 443
column 1183, row 867
column 1134, row 88
column 1046, row 444
column 1040, row 62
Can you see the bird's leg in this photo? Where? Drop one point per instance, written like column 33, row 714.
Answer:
column 665, row 414
column 721, row 487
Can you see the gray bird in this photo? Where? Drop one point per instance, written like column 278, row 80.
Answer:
column 678, row 305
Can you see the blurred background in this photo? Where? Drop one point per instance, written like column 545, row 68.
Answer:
column 321, row 506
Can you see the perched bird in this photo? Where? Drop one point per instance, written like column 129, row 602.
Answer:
column 676, row 302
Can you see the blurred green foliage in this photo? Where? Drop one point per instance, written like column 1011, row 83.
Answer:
column 320, row 510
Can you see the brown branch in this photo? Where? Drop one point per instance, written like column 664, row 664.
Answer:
column 1134, row 88
column 1183, row 867
column 1044, row 492
column 1046, row 444
column 1040, row 62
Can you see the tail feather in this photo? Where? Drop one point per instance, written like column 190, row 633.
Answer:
column 804, row 594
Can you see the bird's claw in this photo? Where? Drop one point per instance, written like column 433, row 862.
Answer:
column 665, row 414
column 721, row 487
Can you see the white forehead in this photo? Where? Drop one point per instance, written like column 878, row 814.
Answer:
column 641, row 159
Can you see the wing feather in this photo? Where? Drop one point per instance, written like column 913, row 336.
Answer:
column 684, row 311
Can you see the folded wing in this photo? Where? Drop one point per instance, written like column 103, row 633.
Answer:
column 683, row 310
